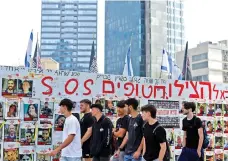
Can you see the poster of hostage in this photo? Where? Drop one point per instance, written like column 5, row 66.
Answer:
column 167, row 113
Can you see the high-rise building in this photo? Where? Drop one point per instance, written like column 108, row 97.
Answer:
column 208, row 61
column 153, row 25
column 68, row 29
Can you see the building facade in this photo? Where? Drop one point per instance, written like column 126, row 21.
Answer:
column 154, row 25
column 68, row 29
column 209, row 61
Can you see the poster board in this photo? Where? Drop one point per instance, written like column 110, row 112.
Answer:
column 31, row 90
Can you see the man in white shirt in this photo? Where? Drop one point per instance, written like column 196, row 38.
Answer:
column 71, row 146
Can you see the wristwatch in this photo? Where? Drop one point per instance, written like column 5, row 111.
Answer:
column 120, row 149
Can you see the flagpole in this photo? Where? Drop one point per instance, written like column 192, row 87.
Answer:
column 161, row 65
column 186, row 63
column 37, row 51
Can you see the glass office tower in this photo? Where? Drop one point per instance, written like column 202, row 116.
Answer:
column 154, row 26
column 68, row 29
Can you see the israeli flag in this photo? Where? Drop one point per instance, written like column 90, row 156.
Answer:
column 29, row 51
column 176, row 72
column 128, row 70
column 165, row 62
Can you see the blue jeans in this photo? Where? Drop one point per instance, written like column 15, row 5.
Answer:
column 188, row 154
column 70, row 159
column 129, row 157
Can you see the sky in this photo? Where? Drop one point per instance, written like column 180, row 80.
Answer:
column 205, row 20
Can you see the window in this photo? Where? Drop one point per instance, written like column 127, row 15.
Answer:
column 87, row 29
column 84, row 47
column 49, row 40
column 72, row 18
column 50, row 17
column 50, row 11
column 199, row 65
column 85, row 65
column 48, row 53
column 84, row 59
column 69, row 29
column 68, row 35
column 69, row 24
column 87, row 12
column 199, row 57
column 50, row 29
column 86, row 41
column 86, row 35
column 69, row 12
column 87, row 18
column 87, row 6
column 69, row 6
column 54, row 35
column 201, row 78
column 50, row 5
column 50, row 23
column 85, row 53
column 94, row 24
column 48, row 47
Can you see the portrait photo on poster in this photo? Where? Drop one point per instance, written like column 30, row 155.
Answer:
column 46, row 109
column 31, row 112
column 12, row 109
column 59, row 122
column 43, row 157
column 11, row 132
column 26, row 157
column 27, row 135
column 2, row 105
column 9, row 87
column 25, row 88
column 26, row 153
column 10, row 154
column 44, row 136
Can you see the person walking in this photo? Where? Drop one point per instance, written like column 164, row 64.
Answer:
column 133, row 139
column 155, row 147
column 193, row 135
column 71, row 146
column 86, row 124
column 121, row 128
column 101, row 140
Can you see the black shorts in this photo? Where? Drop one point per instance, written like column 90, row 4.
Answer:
column 86, row 150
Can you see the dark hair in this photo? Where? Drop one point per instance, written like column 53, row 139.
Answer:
column 68, row 103
column 86, row 101
column 132, row 102
column 209, row 122
column 190, row 105
column 150, row 108
column 99, row 106
column 98, row 101
column 121, row 104
column 219, row 122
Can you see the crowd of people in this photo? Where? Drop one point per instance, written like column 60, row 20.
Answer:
column 137, row 136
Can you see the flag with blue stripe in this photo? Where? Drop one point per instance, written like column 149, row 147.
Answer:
column 29, row 51
column 165, row 62
column 128, row 70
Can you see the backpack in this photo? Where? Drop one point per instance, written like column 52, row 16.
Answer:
column 112, row 139
column 167, row 155
column 206, row 139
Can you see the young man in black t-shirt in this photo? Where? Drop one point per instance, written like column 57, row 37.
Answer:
column 154, row 147
column 133, row 139
column 101, row 141
column 121, row 128
column 86, row 128
column 193, row 135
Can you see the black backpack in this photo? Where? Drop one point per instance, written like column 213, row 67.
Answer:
column 206, row 139
column 167, row 156
column 112, row 139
